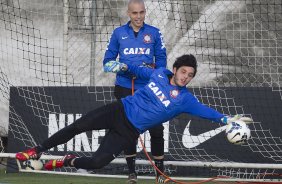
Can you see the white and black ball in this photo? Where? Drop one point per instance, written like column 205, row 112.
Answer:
column 238, row 132
column 33, row 164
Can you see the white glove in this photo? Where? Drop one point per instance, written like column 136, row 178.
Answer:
column 240, row 117
column 114, row 66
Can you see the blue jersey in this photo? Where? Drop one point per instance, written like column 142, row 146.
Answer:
column 147, row 48
column 159, row 101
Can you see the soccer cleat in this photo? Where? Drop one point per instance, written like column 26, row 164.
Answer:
column 132, row 178
column 163, row 179
column 28, row 154
column 53, row 164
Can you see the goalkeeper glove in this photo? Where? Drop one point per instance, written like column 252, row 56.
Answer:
column 240, row 117
column 114, row 66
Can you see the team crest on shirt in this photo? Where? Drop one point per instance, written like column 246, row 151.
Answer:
column 147, row 38
column 174, row 93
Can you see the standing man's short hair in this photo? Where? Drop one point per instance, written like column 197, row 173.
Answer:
column 136, row 1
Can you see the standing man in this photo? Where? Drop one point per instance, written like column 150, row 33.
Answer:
column 139, row 44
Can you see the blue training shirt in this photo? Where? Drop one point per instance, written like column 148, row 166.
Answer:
column 159, row 101
column 148, row 47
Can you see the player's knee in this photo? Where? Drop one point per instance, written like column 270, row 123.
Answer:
column 157, row 150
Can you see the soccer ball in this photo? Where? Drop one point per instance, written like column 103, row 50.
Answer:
column 238, row 132
column 33, row 165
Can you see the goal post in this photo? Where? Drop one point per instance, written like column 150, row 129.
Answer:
column 51, row 74
column 146, row 162
column 178, row 163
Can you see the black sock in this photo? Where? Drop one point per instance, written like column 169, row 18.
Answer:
column 40, row 148
column 131, row 164
column 160, row 165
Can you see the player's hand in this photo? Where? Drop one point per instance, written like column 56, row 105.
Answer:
column 115, row 66
column 229, row 119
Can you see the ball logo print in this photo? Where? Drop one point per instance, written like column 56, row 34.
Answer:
column 33, row 165
column 238, row 132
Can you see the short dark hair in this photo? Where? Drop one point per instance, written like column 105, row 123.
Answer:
column 186, row 60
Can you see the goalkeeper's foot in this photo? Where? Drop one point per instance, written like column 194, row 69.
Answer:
column 31, row 153
column 163, row 179
column 63, row 162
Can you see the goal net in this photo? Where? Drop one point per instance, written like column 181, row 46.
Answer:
column 51, row 73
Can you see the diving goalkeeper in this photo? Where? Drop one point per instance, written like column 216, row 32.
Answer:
column 164, row 97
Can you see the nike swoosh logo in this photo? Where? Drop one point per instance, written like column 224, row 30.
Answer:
column 124, row 37
column 160, row 76
column 191, row 141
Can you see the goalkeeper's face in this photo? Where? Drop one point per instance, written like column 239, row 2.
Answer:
column 136, row 12
column 182, row 76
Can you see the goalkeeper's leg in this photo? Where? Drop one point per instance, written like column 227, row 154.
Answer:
column 157, row 147
column 130, row 156
column 112, row 144
column 106, row 117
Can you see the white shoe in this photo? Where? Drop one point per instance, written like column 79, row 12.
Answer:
column 163, row 179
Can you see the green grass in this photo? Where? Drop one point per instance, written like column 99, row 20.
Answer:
column 41, row 178
column 34, row 178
